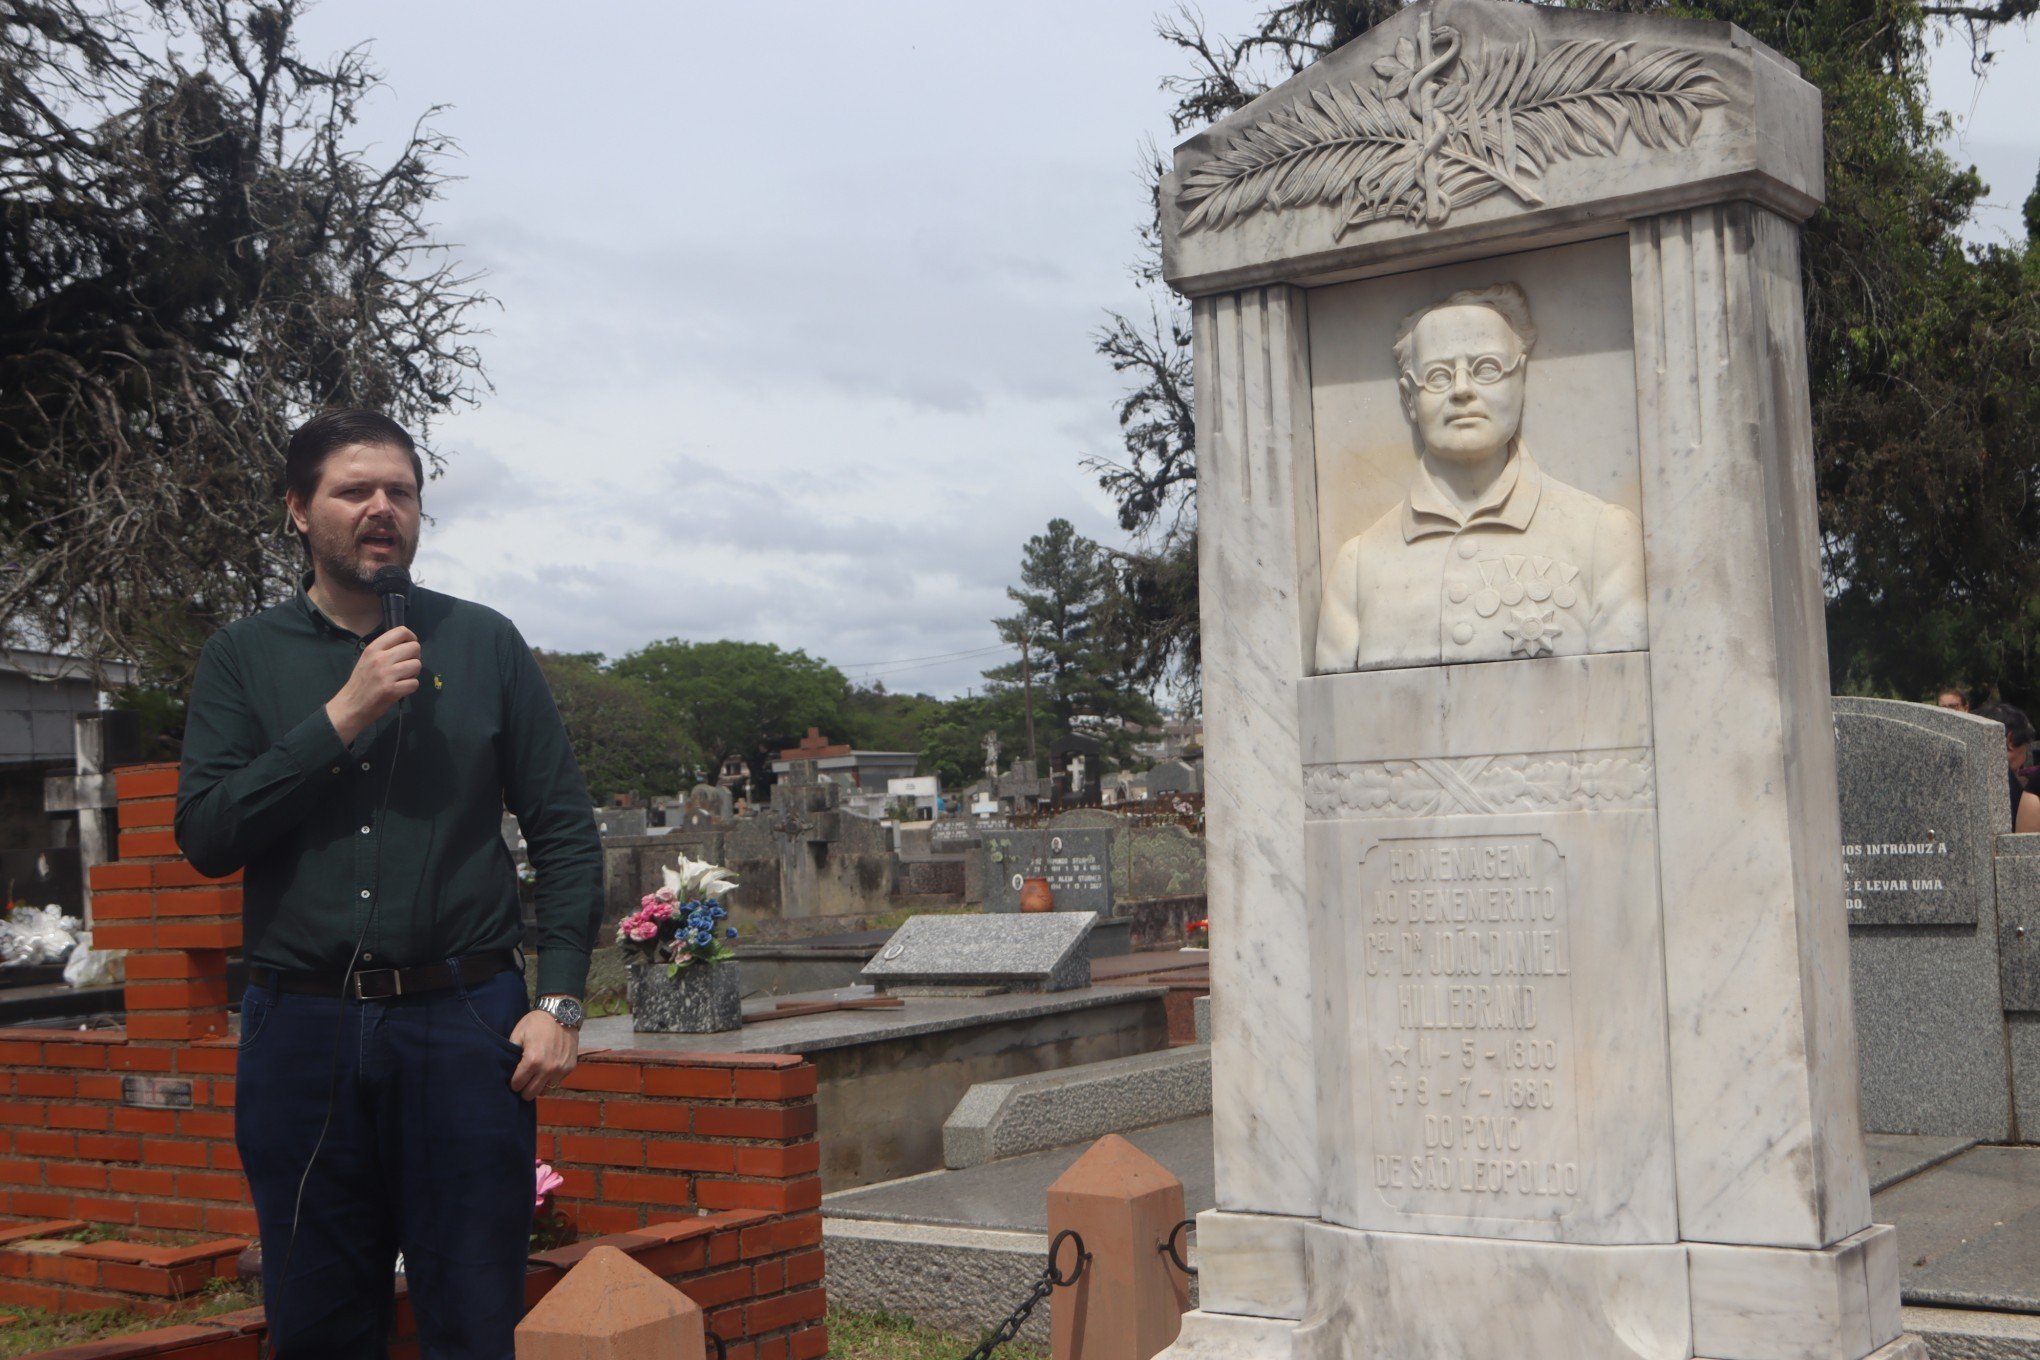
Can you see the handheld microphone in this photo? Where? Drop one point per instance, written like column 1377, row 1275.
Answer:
column 392, row 586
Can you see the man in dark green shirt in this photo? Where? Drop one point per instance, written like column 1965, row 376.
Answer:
column 389, row 1053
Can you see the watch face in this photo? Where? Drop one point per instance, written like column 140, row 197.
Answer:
column 564, row 1009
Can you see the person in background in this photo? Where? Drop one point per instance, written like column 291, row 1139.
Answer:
column 2018, row 747
column 1952, row 696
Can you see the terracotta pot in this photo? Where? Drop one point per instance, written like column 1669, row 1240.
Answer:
column 1035, row 895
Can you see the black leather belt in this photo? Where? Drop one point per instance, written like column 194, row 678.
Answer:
column 380, row 984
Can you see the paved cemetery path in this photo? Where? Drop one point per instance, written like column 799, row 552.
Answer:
column 1969, row 1229
column 1968, row 1216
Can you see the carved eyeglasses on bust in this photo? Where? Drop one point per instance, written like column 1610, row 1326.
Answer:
column 1486, row 370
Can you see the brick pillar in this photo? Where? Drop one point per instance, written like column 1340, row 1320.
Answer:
column 176, row 924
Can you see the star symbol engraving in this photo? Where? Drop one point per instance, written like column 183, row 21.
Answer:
column 1533, row 632
column 1398, row 1053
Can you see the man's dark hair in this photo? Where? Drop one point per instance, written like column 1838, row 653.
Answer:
column 2018, row 728
column 318, row 437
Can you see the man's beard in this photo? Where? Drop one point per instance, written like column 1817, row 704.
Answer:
column 338, row 559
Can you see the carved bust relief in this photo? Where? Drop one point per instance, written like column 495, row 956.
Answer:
column 1488, row 557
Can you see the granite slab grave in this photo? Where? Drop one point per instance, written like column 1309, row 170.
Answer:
column 1922, row 794
column 1531, row 1035
column 1076, row 862
column 1034, row 952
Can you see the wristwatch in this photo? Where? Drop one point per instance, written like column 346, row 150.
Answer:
column 565, row 1009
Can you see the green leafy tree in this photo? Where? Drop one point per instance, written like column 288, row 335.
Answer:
column 1064, row 596
column 747, row 699
column 625, row 740
column 194, row 256
column 1924, row 351
column 876, row 719
column 952, row 747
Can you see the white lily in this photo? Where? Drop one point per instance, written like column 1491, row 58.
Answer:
column 697, row 878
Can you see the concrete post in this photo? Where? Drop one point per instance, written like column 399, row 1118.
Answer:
column 611, row 1308
column 1129, row 1304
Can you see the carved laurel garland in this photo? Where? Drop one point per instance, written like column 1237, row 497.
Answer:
column 1554, row 781
column 1446, row 128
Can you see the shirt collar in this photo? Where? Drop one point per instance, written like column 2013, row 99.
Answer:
column 1509, row 503
column 316, row 614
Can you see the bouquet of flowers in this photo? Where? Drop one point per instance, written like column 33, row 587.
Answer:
column 1199, row 934
column 682, row 923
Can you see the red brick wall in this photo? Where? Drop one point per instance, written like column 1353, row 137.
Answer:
column 642, row 1137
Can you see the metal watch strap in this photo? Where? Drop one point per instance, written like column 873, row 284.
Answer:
column 564, row 1009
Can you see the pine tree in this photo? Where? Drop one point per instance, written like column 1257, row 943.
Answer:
column 1077, row 680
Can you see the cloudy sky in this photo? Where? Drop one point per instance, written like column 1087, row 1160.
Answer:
column 794, row 303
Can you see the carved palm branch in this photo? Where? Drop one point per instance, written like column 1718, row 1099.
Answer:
column 1492, row 123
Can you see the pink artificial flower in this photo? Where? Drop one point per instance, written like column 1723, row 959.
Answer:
column 666, row 895
column 659, row 911
column 549, row 1180
column 646, row 901
column 641, row 930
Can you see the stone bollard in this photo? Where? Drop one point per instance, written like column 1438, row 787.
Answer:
column 1129, row 1303
column 611, row 1308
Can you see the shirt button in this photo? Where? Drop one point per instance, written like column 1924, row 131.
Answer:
column 364, row 764
column 364, row 831
column 1462, row 633
column 1457, row 594
column 336, row 769
column 1467, row 547
column 368, row 958
column 364, row 892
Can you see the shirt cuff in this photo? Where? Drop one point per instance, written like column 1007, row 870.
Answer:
column 313, row 743
column 562, row 972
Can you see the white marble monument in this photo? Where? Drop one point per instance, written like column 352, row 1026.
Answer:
column 1531, row 1002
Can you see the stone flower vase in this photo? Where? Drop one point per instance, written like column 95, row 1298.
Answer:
column 1036, row 895
column 702, row 999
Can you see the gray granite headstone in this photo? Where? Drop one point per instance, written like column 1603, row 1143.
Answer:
column 1173, row 776
column 1923, row 799
column 1076, row 863
column 710, row 803
column 1923, row 793
column 2018, row 884
column 1036, row 952
column 955, row 834
column 2018, row 889
column 612, row 821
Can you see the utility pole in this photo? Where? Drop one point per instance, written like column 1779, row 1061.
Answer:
column 1027, row 688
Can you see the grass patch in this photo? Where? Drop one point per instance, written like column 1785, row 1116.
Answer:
column 35, row 1330
column 892, row 1336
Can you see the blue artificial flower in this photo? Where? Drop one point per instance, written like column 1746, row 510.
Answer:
column 701, row 938
column 730, row 933
column 716, row 913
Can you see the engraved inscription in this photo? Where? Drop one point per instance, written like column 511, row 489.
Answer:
column 1879, row 871
column 1469, row 1026
column 1563, row 781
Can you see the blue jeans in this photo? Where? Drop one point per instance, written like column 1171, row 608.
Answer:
column 429, row 1153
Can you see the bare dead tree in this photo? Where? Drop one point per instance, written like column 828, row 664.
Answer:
column 193, row 257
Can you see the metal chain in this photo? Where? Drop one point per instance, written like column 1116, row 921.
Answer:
column 1050, row 1281
column 1173, row 1249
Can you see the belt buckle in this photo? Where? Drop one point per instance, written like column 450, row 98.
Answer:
column 361, row 984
